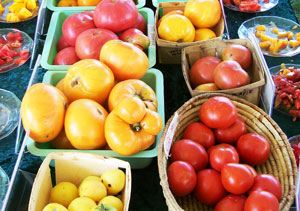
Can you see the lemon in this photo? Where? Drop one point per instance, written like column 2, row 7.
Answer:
column 54, row 207
column 113, row 201
column 114, row 180
column 63, row 193
column 93, row 188
column 81, row 204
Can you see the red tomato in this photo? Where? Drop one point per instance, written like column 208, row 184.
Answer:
column 199, row 133
column 89, row 43
column 261, row 200
column 231, row 203
column 74, row 25
column 191, row 152
column 231, row 134
column 209, row 150
column 66, row 56
column 219, row 157
column 253, row 148
column 229, row 74
column 209, row 188
column 61, row 44
column 90, row 13
column 140, row 23
column 202, row 70
column 252, row 170
column 269, row 183
column 236, row 178
column 238, row 53
column 135, row 36
column 182, row 178
column 115, row 15
column 218, row 112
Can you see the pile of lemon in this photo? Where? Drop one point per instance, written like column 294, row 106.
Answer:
column 93, row 194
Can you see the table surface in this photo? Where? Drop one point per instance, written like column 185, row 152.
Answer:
column 146, row 190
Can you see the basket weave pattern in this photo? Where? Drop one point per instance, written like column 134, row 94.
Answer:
column 281, row 162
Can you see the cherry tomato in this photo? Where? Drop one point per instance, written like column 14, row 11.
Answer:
column 236, row 178
column 221, row 156
column 253, row 148
column 231, row 134
column 231, row 203
column 199, row 133
column 191, row 152
column 182, row 178
column 269, row 183
column 219, row 146
column 209, row 188
column 261, row 200
column 218, row 112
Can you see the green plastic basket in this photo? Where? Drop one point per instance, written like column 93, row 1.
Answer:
column 154, row 79
column 51, row 5
column 55, row 32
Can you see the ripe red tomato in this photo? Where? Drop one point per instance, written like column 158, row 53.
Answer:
column 209, row 189
column 220, row 156
column 218, row 112
column 202, row 70
column 135, row 36
column 140, row 23
column 229, row 74
column 61, row 44
column 89, row 12
column 182, row 178
column 66, row 56
column 231, row 203
column 238, row 53
column 261, row 200
column 253, row 148
column 236, row 178
column 89, row 43
column 267, row 182
column 199, row 133
column 231, row 134
column 252, row 170
column 209, row 150
column 115, row 15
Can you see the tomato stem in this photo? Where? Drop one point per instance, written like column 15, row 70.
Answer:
column 136, row 127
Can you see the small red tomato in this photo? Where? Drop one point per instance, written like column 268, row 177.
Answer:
column 182, row 178
column 209, row 188
column 218, row 112
column 231, row 203
column 219, row 146
column 261, row 200
column 253, row 148
column 269, row 183
column 199, row 133
column 231, row 134
column 219, row 157
column 252, row 170
column 236, row 178
column 191, row 152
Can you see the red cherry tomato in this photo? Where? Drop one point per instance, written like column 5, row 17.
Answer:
column 199, row 133
column 236, row 178
column 219, row 157
column 231, row 203
column 182, row 178
column 269, row 183
column 261, row 200
column 209, row 188
column 219, row 146
column 231, row 134
column 218, row 112
column 253, row 148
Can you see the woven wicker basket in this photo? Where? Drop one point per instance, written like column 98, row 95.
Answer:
column 281, row 162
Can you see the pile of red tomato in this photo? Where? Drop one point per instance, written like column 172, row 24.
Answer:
column 222, row 175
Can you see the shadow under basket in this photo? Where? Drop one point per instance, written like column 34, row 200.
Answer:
column 281, row 162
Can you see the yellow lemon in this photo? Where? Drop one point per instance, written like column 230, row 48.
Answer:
column 113, row 201
column 54, row 207
column 114, row 180
column 93, row 188
column 82, row 204
column 204, row 34
column 63, row 193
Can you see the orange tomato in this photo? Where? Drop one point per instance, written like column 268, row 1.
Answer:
column 67, row 3
column 60, row 85
column 204, row 34
column 207, row 87
column 179, row 12
column 203, row 13
column 84, row 124
column 124, row 59
column 88, row 2
column 176, row 28
column 61, row 141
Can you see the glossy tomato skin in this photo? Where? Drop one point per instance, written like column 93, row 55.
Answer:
column 236, row 178
column 136, row 37
column 231, row 134
column 269, row 183
column 199, row 133
column 209, row 150
column 261, row 200
column 238, row 53
column 218, row 112
column 251, row 169
column 219, row 157
column 231, row 202
column 209, row 189
column 191, row 152
column 66, row 56
column 140, row 23
column 182, row 178
column 61, row 44
column 253, row 148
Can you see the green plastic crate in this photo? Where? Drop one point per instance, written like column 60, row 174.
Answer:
column 55, row 32
column 154, row 79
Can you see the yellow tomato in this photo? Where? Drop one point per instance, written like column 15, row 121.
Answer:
column 113, row 201
column 63, row 193
column 67, row 3
column 54, row 207
column 82, row 204
column 207, row 87
column 114, row 180
column 88, row 2
column 204, row 34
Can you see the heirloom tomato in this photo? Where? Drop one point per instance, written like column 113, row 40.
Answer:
column 140, row 23
column 61, row 141
column 261, row 200
column 207, row 87
column 238, row 53
column 88, row 2
column 179, row 12
column 66, row 56
column 136, row 37
column 61, row 44
column 221, row 156
column 231, row 202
